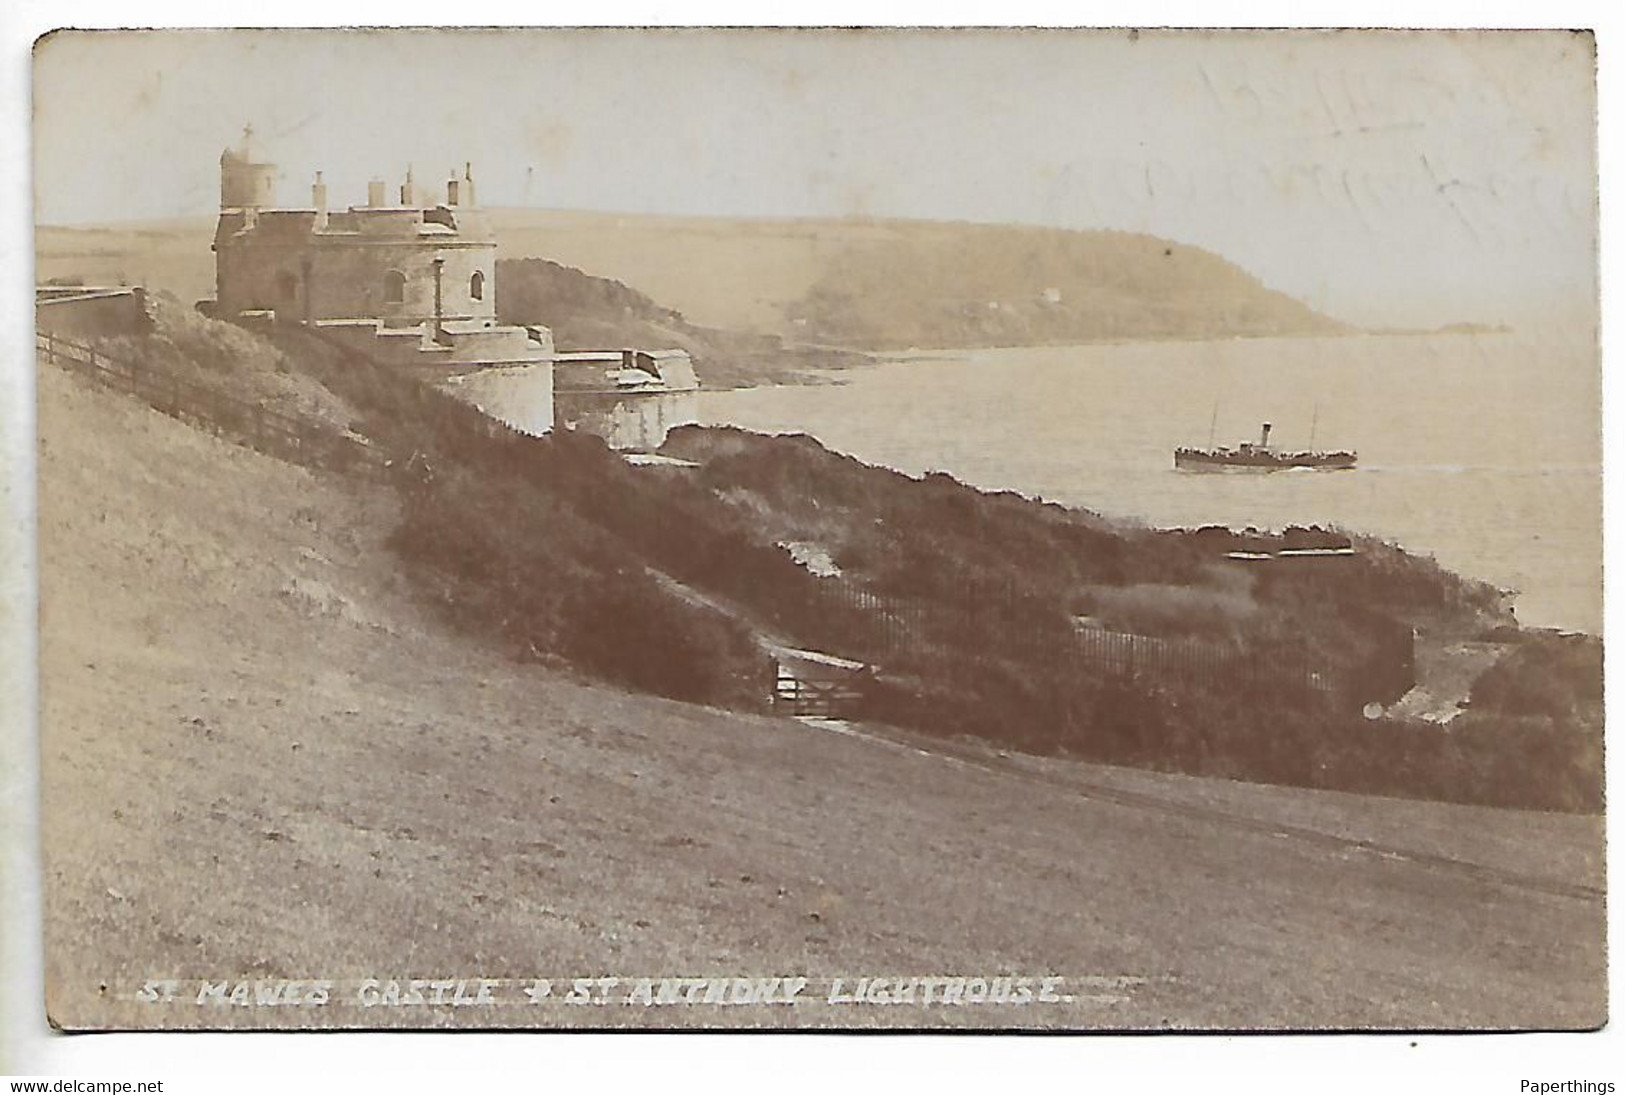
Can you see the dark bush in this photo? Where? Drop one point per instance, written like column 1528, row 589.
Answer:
column 964, row 599
column 1555, row 676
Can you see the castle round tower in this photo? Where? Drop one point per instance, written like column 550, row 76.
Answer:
column 245, row 184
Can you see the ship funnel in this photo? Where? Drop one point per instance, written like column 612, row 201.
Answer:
column 1264, row 437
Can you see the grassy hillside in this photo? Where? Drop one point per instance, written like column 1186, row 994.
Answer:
column 996, row 285
column 857, row 284
column 719, row 272
column 587, row 313
column 992, row 587
column 664, row 580
column 895, row 283
column 267, row 754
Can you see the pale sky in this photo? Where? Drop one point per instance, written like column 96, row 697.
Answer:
column 1404, row 178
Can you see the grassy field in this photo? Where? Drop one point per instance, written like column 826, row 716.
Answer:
column 263, row 757
column 169, row 255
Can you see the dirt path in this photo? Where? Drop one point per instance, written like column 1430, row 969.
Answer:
column 1445, row 674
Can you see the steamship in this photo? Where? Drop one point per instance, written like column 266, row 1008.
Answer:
column 1260, row 456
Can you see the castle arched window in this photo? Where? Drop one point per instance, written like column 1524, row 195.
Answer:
column 394, row 287
column 476, row 286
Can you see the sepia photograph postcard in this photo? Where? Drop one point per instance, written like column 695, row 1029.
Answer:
column 819, row 529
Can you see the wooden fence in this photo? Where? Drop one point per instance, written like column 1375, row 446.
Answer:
column 843, row 617
column 1194, row 662
column 825, row 698
column 237, row 420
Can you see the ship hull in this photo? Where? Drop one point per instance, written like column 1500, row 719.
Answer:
column 1204, row 460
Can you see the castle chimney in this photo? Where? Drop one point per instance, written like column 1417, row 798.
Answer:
column 409, row 194
column 1264, row 438
column 451, row 189
column 468, row 183
column 375, row 193
column 318, row 198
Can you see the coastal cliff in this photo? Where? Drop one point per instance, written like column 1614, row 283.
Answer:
column 1000, row 285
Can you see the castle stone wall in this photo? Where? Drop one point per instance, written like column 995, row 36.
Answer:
column 520, row 395
column 301, row 276
column 91, row 313
column 415, row 346
column 634, row 422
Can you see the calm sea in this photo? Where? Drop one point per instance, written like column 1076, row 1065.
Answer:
column 1482, row 450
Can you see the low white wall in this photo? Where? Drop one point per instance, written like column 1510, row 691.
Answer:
column 634, row 422
column 519, row 395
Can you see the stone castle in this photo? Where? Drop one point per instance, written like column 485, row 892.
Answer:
column 412, row 282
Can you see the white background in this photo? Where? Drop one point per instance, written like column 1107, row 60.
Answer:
column 724, row 1063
